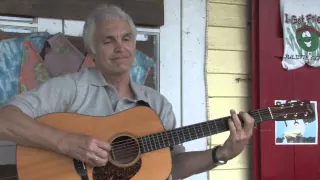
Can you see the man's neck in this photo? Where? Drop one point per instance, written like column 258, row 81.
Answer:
column 121, row 83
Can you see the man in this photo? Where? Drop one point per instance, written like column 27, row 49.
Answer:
column 109, row 36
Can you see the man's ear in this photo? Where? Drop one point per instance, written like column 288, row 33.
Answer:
column 91, row 55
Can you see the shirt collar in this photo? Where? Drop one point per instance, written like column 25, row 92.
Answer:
column 97, row 79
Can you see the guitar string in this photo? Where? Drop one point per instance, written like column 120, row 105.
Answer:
column 252, row 113
column 116, row 144
column 264, row 112
column 176, row 136
column 151, row 147
column 258, row 115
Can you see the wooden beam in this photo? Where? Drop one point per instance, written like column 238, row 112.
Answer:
column 143, row 12
column 144, row 46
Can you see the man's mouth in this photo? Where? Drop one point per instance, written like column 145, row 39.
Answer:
column 117, row 58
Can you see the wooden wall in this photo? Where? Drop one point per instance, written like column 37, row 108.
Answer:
column 228, row 59
column 144, row 13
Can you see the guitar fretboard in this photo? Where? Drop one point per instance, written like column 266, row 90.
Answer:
column 180, row 135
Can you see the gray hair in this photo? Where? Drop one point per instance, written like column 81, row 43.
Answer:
column 103, row 12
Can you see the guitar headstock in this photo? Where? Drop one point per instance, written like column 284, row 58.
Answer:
column 293, row 110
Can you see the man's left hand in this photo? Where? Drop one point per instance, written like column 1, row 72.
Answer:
column 239, row 136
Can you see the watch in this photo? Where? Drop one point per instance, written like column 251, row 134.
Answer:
column 214, row 156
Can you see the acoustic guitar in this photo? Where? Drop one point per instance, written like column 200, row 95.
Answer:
column 140, row 145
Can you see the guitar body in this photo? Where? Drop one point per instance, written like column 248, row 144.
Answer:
column 39, row 164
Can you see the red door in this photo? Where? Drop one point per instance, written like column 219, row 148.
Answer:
column 271, row 82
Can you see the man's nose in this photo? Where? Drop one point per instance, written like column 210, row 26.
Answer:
column 119, row 47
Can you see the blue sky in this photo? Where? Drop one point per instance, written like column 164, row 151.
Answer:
column 310, row 130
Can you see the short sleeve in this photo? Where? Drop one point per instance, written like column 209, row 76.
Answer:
column 55, row 95
column 169, row 121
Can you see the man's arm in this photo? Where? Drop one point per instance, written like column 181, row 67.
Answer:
column 17, row 118
column 56, row 95
column 190, row 163
column 18, row 127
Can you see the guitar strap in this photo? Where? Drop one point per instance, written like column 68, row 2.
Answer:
column 81, row 169
column 143, row 103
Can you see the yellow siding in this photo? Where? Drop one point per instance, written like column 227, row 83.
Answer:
column 220, row 107
column 228, row 15
column 232, row 174
column 240, row 2
column 228, row 85
column 239, row 162
column 223, row 38
column 228, row 60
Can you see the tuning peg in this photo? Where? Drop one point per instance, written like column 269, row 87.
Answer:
column 285, row 123
column 296, row 123
column 255, row 125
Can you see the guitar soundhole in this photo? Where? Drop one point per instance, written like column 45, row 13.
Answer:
column 124, row 160
column 125, row 150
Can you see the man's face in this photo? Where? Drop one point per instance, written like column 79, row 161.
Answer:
column 115, row 49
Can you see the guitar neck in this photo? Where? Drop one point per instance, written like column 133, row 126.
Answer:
column 180, row 135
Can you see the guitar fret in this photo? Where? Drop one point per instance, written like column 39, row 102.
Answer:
column 184, row 138
column 202, row 131
column 151, row 143
column 209, row 127
column 168, row 139
column 215, row 126
column 146, row 143
column 173, row 143
column 158, row 142
column 142, row 144
column 164, row 144
column 195, row 130
column 177, row 136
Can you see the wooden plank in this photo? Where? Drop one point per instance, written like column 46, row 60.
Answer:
column 147, row 13
column 144, row 46
column 242, row 2
column 228, row 38
column 234, row 174
column 220, row 107
column 228, row 62
column 228, row 85
column 242, row 161
column 228, row 15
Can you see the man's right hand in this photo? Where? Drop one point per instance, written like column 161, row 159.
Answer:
column 87, row 149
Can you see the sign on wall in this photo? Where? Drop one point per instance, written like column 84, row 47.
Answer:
column 301, row 32
column 297, row 132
